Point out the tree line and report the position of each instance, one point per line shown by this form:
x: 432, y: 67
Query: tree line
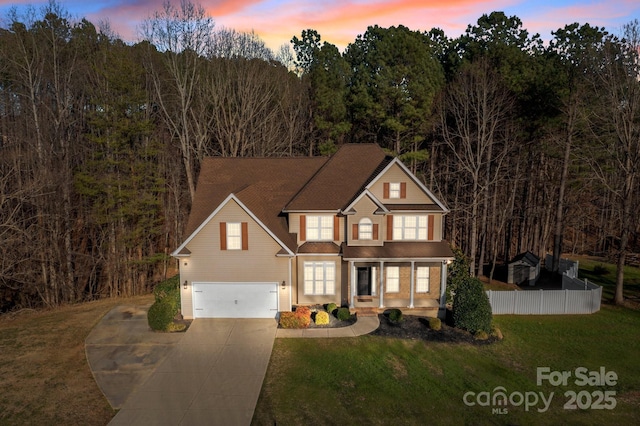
x: 532, y: 146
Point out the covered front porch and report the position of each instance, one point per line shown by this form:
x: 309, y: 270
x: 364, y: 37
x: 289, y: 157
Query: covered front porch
x: 405, y: 275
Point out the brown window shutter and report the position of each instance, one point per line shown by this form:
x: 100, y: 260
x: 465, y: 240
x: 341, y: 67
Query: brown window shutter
x: 375, y: 231
x: 303, y: 228
x: 354, y: 234
x: 223, y: 235
x: 385, y: 190
x: 403, y: 189
x: 245, y: 236
x: 430, y: 222
x: 336, y: 228
x: 390, y: 227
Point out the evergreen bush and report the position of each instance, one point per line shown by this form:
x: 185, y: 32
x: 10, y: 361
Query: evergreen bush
x: 343, y: 314
x: 160, y: 315
x: 168, y: 291
x: 331, y: 307
x: 471, y: 308
x: 395, y: 316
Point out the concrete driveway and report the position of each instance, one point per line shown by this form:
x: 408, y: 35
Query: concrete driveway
x: 210, y: 375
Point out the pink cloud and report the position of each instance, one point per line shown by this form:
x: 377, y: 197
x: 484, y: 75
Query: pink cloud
x: 340, y: 21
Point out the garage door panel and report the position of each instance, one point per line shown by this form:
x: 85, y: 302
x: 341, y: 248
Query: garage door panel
x: 235, y: 300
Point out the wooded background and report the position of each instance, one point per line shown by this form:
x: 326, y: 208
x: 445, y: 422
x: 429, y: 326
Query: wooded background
x: 533, y: 146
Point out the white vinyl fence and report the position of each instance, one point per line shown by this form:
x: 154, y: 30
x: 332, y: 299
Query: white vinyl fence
x: 576, y: 297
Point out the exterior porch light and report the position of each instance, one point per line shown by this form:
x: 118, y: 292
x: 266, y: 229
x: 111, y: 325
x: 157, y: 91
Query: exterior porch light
x: 283, y: 284
x: 185, y: 285
x: 186, y: 262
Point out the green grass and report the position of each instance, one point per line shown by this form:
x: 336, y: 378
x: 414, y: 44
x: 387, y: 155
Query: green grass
x: 604, y: 274
x: 375, y: 380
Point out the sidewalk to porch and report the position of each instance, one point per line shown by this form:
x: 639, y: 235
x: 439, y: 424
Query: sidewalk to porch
x: 364, y: 325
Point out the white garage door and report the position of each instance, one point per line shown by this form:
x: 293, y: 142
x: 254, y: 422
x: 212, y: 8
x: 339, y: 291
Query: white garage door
x: 235, y: 300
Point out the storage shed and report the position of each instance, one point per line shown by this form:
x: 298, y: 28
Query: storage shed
x: 524, y: 269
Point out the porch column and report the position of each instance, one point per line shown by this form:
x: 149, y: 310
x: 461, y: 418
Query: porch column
x: 381, y: 284
x: 443, y: 285
x: 291, y: 284
x: 352, y: 284
x: 412, y: 285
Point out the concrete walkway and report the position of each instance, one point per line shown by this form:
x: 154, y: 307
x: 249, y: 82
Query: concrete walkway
x: 364, y: 325
x: 210, y: 375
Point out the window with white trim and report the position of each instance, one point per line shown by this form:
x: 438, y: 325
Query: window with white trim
x: 319, y: 278
x: 319, y: 228
x: 394, y: 190
x: 409, y: 227
x: 393, y: 279
x: 234, y: 236
x: 365, y: 229
x: 422, y: 279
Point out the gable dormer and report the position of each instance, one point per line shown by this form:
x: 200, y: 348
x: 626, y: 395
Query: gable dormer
x: 396, y: 185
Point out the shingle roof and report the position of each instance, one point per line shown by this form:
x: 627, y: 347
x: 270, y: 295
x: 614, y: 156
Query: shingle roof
x: 343, y: 177
x: 264, y: 185
x: 399, y: 250
x: 526, y: 257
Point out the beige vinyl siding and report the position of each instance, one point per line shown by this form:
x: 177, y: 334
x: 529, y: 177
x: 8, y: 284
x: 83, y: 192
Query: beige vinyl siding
x: 396, y: 175
x: 365, y: 208
x: 208, y: 263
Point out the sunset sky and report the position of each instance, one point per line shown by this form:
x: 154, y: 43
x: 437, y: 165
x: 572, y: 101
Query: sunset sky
x: 340, y: 21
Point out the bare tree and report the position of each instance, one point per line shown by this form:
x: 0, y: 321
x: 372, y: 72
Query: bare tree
x: 475, y: 118
x: 615, y: 155
x: 183, y: 35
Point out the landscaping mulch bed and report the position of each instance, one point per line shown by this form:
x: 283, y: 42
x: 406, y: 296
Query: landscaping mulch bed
x: 417, y: 328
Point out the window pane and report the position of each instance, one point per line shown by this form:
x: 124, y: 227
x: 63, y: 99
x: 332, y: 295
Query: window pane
x: 234, y: 236
x: 365, y: 229
x: 394, y: 190
x: 319, y: 278
x: 320, y: 228
x: 422, y: 279
x: 393, y: 279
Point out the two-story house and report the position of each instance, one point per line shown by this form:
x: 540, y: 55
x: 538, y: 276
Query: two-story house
x: 356, y: 228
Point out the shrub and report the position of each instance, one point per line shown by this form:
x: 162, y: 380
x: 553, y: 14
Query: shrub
x: 395, y: 316
x: 168, y: 291
x: 343, y: 314
x: 303, y: 310
x: 160, y: 316
x: 301, y: 318
x: 322, y: 318
x: 495, y: 332
x: 331, y: 307
x: 471, y: 308
x: 435, y: 323
x: 481, y: 335
x: 457, y: 272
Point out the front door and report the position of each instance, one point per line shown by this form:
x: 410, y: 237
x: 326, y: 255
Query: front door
x: 364, y: 281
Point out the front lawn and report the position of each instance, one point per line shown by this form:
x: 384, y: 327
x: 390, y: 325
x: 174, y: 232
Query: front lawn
x: 377, y: 380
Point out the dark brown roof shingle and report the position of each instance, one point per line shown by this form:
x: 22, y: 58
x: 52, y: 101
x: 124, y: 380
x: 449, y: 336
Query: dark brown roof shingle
x: 341, y: 178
